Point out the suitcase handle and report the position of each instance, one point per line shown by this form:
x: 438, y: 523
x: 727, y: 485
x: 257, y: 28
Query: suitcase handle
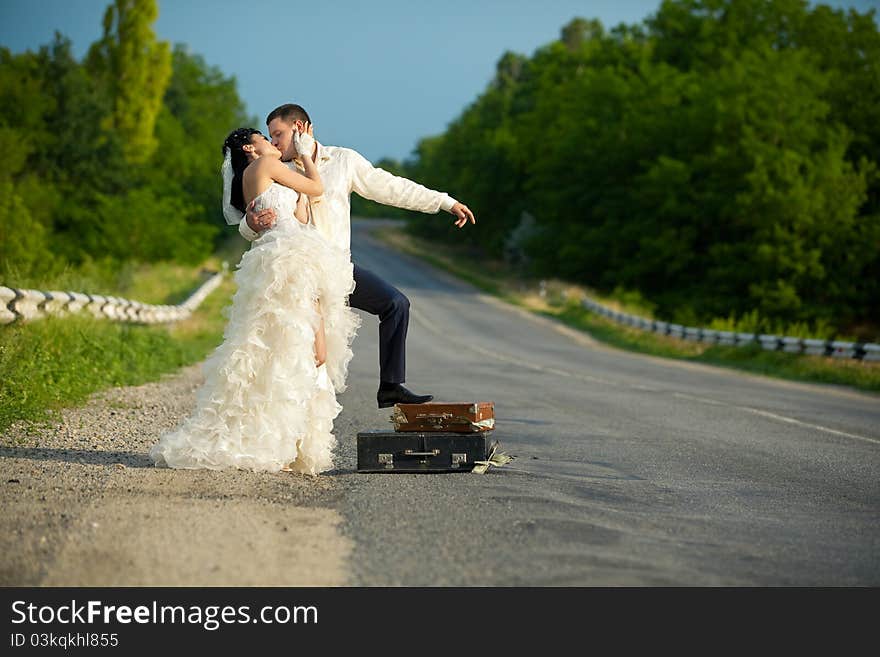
x: 433, y: 452
x: 454, y: 419
x: 432, y: 416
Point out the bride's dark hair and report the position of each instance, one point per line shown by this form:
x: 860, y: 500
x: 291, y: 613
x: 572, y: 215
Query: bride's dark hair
x: 236, y: 140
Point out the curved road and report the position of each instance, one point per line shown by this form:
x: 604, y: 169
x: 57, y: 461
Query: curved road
x: 631, y: 470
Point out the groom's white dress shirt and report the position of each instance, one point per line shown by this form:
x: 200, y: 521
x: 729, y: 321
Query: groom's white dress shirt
x: 344, y: 171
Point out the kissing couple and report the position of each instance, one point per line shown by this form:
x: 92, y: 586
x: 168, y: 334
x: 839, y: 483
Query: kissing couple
x: 269, y: 397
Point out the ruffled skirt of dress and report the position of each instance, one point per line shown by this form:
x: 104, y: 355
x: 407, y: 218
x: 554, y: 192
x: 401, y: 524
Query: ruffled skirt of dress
x: 264, y: 404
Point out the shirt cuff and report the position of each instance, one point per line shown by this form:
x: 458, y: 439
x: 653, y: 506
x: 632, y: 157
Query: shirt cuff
x: 447, y: 203
x: 246, y: 232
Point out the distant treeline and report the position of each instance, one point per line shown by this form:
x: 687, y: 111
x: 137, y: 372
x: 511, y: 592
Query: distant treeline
x: 114, y: 159
x: 720, y: 160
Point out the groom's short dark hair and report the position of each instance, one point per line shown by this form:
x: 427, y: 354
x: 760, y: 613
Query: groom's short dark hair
x: 288, y: 113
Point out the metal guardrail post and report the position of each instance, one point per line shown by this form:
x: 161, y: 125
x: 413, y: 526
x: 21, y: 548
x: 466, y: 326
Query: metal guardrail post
x: 789, y: 344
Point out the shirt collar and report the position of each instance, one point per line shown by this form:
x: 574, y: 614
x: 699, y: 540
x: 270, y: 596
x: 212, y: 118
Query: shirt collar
x: 322, y: 155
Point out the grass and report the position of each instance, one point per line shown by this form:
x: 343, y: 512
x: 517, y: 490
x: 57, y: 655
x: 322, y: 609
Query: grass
x: 58, y: 362
x: 560, y: 300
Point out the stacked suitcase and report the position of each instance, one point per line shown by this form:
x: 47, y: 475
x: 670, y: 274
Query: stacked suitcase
x: 432, y: 437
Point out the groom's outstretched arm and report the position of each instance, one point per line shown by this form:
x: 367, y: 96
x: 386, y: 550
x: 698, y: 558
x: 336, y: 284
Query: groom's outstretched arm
x: 386, y: 188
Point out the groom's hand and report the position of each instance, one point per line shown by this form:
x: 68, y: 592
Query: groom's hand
x: 260, y: 220
x: 463, y: 213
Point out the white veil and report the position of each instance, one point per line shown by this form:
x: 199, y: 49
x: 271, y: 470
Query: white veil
x: 233, y: 214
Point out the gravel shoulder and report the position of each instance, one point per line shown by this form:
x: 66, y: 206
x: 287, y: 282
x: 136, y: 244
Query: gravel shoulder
x: 85, y: 507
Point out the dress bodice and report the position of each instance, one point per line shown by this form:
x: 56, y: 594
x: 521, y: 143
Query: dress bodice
x: 281, y: 199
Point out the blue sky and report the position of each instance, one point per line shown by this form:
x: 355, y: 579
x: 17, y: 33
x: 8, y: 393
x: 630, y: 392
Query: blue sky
x: 375, y: 76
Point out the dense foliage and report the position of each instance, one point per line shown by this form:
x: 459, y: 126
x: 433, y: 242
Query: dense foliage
x: 720, y: 159
x: 114, y: 159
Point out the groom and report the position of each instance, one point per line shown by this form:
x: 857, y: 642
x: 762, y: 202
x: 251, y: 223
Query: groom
x: 342, y: 172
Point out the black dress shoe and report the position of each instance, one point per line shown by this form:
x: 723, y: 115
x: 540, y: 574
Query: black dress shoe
x: 400, y: 395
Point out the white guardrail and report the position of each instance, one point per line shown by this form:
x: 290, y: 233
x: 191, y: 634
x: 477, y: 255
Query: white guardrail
x: 26, y: 305
x: 834, y: 348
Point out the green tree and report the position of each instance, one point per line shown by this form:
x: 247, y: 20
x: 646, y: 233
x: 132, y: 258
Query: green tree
x: 24, y: 247
x: 720, y: 159
x: 80, y: 188
x: 23, y: 110
x: 477, y: 160
x: 201, y: 107
x: 134, y: 68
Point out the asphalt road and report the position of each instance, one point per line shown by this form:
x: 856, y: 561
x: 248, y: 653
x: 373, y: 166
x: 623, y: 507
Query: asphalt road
x: 631, y: 470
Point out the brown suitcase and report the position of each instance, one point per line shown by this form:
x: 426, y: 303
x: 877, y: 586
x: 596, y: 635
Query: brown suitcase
x: 456, y: 417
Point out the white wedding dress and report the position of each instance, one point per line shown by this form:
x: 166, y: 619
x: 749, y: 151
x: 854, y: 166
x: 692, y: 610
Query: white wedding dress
x: 264, y: 404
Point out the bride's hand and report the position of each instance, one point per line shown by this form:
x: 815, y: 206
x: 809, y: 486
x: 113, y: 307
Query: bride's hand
x: 304, y: 141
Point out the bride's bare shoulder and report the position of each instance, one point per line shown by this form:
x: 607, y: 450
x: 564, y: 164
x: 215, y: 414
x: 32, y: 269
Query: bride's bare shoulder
x: 260, y: 169
x: 260, y: 164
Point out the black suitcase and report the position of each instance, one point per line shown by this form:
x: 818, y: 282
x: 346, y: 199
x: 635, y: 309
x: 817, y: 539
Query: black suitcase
x: 391, y: 451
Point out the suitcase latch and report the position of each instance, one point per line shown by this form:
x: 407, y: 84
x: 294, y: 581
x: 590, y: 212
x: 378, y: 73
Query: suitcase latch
x: 387, y: 460
x: 458, y: 459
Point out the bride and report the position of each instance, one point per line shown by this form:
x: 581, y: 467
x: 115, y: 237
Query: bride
x: 269, y: 397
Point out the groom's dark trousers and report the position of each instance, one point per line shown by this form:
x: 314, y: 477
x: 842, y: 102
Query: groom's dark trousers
x: 377, y: 297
